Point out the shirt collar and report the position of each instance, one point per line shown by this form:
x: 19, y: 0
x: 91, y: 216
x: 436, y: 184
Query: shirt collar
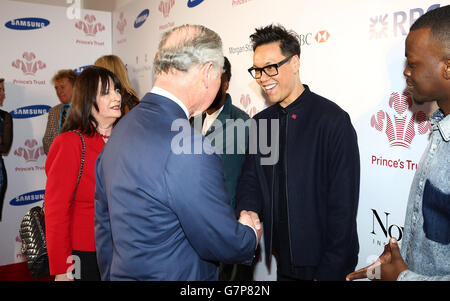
x: 162, y: 92
x: 442, y: 123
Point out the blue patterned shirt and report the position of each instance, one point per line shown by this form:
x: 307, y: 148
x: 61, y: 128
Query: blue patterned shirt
x: 426, y: 244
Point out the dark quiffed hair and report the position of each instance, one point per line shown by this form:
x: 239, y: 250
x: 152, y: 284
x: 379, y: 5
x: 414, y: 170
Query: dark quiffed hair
x: 289, y: 40
x: 438, y: 20
x: 84, y: 98
x: 227, y: 69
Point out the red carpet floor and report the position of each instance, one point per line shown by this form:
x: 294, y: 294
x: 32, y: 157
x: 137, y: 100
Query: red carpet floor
x: 19, y: 272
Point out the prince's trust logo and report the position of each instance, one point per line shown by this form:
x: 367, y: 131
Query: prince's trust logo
x: 89, y: 26
x: 399, y: 124
x: 31, y: 151
x: 29, y: 65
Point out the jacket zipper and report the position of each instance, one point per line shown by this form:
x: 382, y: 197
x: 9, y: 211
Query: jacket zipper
x: 286, y: 184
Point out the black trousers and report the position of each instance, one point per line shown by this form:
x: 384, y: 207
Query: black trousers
x: 88, y: 266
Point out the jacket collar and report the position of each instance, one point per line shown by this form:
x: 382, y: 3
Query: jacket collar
x: 442, y: 124
x: 305, y: 95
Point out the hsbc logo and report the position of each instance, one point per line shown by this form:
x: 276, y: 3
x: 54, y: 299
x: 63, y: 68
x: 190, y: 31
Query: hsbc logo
x: 397, y: 23
x: 310, y: 38
x: 322, y: 36
x: 399, y: 124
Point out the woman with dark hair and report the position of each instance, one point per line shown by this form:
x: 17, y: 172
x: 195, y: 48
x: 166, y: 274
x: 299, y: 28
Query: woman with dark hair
x: 5, y: 142
x: 69, y: 211
x: 114, y: 64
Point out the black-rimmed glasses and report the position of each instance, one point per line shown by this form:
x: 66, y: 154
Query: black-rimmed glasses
x: 270, y: 70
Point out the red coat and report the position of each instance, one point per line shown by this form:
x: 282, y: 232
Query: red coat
x: 70, y: 224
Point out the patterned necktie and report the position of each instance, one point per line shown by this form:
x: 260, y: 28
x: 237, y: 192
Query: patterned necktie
x: 63, y: 115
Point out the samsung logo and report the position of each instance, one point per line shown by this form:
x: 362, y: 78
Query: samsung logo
x: 141, y: 18
x: 194, y: 3
x: 28, y: 198
x: 27, y: 24
x: 80, y: 69
x: 30, y: 112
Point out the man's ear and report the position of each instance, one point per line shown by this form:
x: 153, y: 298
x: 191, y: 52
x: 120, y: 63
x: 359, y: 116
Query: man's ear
x: 296, y: 63
x: 207, y: 73
x: 447, y: 69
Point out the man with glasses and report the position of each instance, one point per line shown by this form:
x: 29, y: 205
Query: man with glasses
x: 308, y: 199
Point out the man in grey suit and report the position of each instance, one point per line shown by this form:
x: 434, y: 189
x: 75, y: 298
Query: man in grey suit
x: 63, y: 81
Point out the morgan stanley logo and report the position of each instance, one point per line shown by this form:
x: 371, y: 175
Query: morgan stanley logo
x: 141, y: 18
x: 89, y: 26
x: 28, y: 198
x: 165, y: 7
x: 193, y: 3
x: 235, y: 130
x: 27, y: 24
x: 401, y: 126
x: 31, y: 151
x: 28, y: 66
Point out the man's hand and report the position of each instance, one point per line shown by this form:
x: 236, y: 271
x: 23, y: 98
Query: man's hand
x: 387, y: 267
x: 250, y: 218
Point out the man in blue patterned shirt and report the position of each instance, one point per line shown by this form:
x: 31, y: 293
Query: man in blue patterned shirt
x: 425, y: 253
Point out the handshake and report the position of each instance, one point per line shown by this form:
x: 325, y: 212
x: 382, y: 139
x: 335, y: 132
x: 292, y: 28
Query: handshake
x: 251, y: 219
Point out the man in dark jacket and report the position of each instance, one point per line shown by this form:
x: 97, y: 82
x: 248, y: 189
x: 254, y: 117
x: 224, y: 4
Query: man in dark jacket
x: 308, y: 198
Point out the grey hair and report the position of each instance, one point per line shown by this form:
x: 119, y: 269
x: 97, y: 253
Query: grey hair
x: 196, y: 46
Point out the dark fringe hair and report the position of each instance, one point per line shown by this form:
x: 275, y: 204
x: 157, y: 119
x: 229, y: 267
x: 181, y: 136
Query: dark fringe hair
x: 84, y: 97
x: 288, y: 39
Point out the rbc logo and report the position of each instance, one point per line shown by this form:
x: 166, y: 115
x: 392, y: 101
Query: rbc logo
x: 193, y: 3
x: 400, y: 26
